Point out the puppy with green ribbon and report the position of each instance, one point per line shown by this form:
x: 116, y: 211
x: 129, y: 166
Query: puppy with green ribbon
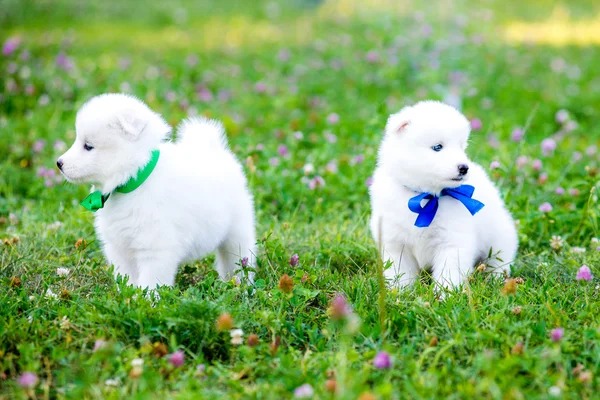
x: 159, y: 203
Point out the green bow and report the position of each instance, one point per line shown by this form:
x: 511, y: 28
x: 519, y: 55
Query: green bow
x: 95, y: 200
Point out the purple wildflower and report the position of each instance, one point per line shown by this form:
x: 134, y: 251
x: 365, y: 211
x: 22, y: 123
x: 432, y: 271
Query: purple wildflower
x: 171, y: 96
x: 63, y: 61
x: 316, y: 182
x: 382, y: 360
x: 548, y: 146
x: 304, y: 391
x: 332, y: 167
x: 545, y: 207
x: 27, y: 380
x: 522, y: 161
x: 559, y: 191
x: 557, y: 334
x: 282, y: 150
x: 244, y: 262
x: 358, y: 159
x: 591, y: 150
x: 369, y: 181
x: 274, y: 161
x: 177, y: 359
x: 574, y: 192
x: 536, y: 165
x: 570, y: 126
x: 517, y: 134
x: 204, y: 95
x: 476, y: 124
x: 10, y: 45
x: 494, y: 165
x: 294, y: 260
x: 584, y: 274
x: 333, y: 119
x: 100, y: 343
x: 339, y: 308
x: 372, y: 56
x: 38, y: 146
x: 562, y: 116
x: 260, y: 87
x: 493, y: 141
x: 330, y: 137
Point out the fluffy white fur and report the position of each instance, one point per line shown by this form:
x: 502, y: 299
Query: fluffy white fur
x: 195, y: 201
x: 455, y: 241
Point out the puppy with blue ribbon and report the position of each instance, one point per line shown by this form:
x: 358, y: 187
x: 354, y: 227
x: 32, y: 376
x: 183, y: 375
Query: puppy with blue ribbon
x: 433, y: 208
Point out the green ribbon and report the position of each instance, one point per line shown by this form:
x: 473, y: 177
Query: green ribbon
x: 96, y: 200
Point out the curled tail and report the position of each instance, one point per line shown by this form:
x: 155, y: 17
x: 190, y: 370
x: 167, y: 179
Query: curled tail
x: 200, y: 131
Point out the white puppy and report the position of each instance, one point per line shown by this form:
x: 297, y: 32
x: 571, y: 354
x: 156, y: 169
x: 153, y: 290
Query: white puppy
x: 194, y: 198
x: 423, y: 152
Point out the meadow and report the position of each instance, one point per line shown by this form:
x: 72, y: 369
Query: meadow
x: 304, y: 89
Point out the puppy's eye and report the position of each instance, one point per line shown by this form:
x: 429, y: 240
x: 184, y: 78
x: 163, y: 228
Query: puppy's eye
x: 88, y: 147
x: 437, y: 147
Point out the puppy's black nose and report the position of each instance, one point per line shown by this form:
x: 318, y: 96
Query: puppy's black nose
x: 463, y: 169
x: 59, y: 164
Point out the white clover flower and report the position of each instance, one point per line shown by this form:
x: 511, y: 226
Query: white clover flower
x: 556, y: 242
x: 62, y: 271
x: 237, y: 337
x: 137, y: 362
x: 65, y: 323
x: 309, y: 169
x: 50, y: 294
x: 554, y: 391
x: 112, y: 382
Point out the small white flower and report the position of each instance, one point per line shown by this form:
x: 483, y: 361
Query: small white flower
x: 31, y: 298
x: 595, y: 242
x: 237, y: 337
x: 554, y: 391
x: 50, y: 294
x: 55, y: 226
x: 577, y: 250
x: 65, y: 323
x: 309, y: 169
x: 137, y: 362
x: 62, y: 271
x: 556, y: 242
x: 112, y: 382
x: 30, y: 319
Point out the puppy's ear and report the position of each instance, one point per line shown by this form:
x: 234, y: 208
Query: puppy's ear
x: 130, y: 125
x: 396, y: 124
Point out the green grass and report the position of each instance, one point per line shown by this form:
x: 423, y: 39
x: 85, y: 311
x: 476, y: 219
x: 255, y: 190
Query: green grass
x: 463, y: 347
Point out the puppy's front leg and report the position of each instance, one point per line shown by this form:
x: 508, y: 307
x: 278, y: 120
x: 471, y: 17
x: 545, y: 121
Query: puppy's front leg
x: 156, y: 268
x: 452, y: 265
x: 405, y: 270
x: 123, y: 265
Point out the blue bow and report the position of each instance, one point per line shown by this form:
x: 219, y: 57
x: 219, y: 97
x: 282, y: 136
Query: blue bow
x: 463, y: 193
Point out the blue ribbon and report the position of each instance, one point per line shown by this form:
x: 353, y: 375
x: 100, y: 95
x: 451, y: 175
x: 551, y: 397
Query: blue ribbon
x: 463, y: 193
